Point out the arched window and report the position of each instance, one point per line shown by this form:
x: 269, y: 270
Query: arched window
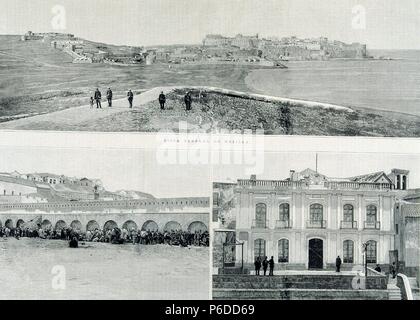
x: 283, y: 250
x: 398, y: 182
x: 260, y: 215
x: 348, y: 213
x: 371, y: 213
x: 259, y: 248
x: 348, y: 251
x: 284, y: 212
x: 316, y: 212
x: 404, y: 183
x: 371, y: 251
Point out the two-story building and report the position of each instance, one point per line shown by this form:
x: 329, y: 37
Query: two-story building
x: 308, y: 219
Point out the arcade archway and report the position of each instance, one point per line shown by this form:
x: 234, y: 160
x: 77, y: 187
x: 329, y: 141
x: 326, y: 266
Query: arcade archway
x: 92, y: 225
x: 76, y: 225
x: 130, y: 225
x: 109, y: 225
x: 150, y: 226
x: 172, y: 226
x: 197, y: 226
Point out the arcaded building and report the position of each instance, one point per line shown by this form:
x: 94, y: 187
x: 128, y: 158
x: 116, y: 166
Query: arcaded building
x: 308, y: 219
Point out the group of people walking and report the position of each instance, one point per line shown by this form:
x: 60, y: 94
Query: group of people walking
x: 97, y: 97
x: 265, y: 263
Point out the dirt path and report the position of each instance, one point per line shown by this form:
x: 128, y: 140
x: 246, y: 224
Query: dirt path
x: 79, y: 115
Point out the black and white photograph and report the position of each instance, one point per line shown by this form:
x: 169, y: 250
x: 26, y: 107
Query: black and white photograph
x: 94, y: 224
x: 320, y: 226
x: 337, y: 68
x: 183, y: 150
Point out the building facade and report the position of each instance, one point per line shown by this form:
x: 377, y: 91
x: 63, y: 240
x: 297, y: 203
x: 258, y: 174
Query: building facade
x: 308, y: 219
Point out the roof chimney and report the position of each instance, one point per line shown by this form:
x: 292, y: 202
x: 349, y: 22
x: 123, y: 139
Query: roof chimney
x: 292, y: 175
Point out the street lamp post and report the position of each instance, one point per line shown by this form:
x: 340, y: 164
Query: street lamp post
x: 364, y: 245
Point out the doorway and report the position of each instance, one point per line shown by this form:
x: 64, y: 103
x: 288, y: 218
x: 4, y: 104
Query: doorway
x: 316, y: 254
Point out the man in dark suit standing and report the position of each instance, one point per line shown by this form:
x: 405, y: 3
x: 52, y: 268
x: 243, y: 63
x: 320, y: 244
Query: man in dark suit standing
x: 109, y: 97
x: 338, y: 264
x: 162, y: 101
x: 271, y: 264
x: 98, y: 97
x: 130, y: 97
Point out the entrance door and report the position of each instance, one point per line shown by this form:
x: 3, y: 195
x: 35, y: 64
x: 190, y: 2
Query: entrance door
x: 315, y: 254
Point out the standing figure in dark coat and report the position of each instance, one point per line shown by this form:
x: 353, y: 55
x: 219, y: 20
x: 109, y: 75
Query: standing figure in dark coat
x: 257, y: 265
x: 265, y: 265
x: 162, y: 101
x: 188, y: 101
x: 393, y: 270
x: 109, y: 97
x: 98, y: 97
x: 130, y: 97
x: 271, y: 264
x: 338, y: 264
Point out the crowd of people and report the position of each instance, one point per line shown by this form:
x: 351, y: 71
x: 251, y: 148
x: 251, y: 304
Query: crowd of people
x: 114, y: 235
x: 97, y: 97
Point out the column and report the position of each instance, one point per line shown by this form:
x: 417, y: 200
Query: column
x: 360, y: 205
x: 339, y: 210
x: 381, y: 209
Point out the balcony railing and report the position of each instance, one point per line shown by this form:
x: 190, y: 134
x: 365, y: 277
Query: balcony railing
x: 348, y: 224
x: 283, y: 224
x: 376, y: 225
x: 331, y: 185
x: 258, y: 224
x: 316, y: 224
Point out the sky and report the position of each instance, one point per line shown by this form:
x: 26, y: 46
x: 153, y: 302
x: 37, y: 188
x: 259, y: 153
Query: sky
x: 277, y: 165
x: 118, y: 168
x: 385, y: 24
x: 142, y: 169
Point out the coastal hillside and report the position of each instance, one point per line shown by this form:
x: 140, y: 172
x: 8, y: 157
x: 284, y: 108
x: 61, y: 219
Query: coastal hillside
x: 213, y: 111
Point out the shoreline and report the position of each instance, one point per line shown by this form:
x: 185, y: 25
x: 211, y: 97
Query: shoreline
x: 251, y: 85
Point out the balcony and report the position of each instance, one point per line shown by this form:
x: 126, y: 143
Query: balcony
x: 316, y: 224
x: 373, y: 225
x: 258, y: 224
x: 283, y: 224
x: 348, y: 224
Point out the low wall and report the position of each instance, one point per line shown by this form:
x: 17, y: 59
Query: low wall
x: 404, y: 285
x: 265, y: 98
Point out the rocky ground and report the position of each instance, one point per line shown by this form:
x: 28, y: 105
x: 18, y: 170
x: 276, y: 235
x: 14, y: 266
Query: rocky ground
x: 214, y: 111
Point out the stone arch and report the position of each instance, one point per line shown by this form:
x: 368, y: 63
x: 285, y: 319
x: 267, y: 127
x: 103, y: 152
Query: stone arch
x: 197, y: 226
x: 9, y: 223
x: 76, y: 225
x: 172, y: 225
x: 46, y: 225
x: 92, y: 225
x: 150, y: 225
x: 60, y: 225
x: 110, y: 224
x: 130, y: 225
x: 19, y: 223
